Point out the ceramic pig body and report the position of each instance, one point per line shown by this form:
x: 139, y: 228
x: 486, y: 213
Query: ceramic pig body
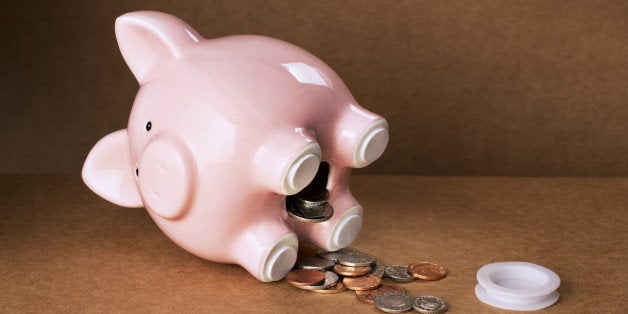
x: 221, y: 131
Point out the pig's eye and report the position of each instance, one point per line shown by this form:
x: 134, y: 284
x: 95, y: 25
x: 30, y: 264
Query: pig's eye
x: 137, y: 172
x: 148, y: 126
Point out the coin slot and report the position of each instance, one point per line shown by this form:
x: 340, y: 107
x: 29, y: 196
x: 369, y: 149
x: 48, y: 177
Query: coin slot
x: 310, y: 204
x: 317, y: 188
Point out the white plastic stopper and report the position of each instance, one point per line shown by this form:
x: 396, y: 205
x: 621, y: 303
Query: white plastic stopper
x: 518, y: 286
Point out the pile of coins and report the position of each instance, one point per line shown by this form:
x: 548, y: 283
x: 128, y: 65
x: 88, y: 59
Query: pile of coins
x: 349, y: 269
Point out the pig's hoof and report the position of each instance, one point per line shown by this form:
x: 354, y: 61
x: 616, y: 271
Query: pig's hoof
x: 371, y: 145
x: 302, y: 169
x: 346, y: 229
x: 280, y: 259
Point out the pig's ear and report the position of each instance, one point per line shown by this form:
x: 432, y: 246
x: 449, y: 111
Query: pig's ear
x: 146, y: 37
x: 108, y: 172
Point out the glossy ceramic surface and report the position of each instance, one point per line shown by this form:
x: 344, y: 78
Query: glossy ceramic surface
x: 221, y: 131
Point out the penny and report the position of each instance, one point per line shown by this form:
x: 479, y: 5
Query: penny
x: 315, y: 263
x: 393, y: 302
x: 334, y: 255
x: 368, y: 296
x: 305, y: 277
x: 399, y: 273
x: 427, y: 271
x: 310, y: 214
x: 330, y: 279
x: 306, y: 250
x: 352, y: 271
x: 429, y: 304
x: 362, y: 283
x: 356, y: 259
x: 379, y: 271
x: 338, y: 287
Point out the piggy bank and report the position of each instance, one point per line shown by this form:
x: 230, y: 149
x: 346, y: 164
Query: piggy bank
x: 222, y: 134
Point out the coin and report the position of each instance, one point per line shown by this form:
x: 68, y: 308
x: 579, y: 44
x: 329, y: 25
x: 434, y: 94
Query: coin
x: 352, y: 271
x: 338, y: 287
x: 379, y: 271
x: 334, y: 255
x: 393, y: 302
x: 315, y: 263
x: 310, y: 214
x: 362, y: 283
x: 313, y: 199
x: 399, y: 273
x: 305, y: 277
x: 427, y: 271
x: 429, y: 304
x: 368, y: 296
x: 330, y: 279
x: 356, y: 259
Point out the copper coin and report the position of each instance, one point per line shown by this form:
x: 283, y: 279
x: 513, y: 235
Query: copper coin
x: 352, y: 271
x: 330, y: 279
x: 336, y: 288
x: 305, y: 277
x: 427, y: 271
x: 368, y: 296
x: 369, y: 282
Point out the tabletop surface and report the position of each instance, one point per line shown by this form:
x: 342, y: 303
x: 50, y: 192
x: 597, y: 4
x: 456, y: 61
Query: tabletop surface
x: 62, y: 248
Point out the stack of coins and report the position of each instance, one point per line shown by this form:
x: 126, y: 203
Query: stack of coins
x: 310, y: 205
x: 310, y: 208
x: 349, y: 269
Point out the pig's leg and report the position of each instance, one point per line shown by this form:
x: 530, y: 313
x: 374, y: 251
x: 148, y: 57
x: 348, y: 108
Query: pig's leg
x: 266, y: 249
x: 286, y: 162
x: 355, y: 139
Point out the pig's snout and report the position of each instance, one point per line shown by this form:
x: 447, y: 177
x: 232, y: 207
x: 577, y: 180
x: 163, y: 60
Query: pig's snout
x: 165, y: 177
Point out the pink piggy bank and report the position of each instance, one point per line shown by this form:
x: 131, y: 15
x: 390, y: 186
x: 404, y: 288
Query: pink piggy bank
x: 222, y: 132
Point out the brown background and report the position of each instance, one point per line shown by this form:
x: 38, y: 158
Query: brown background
x: 519, y: 88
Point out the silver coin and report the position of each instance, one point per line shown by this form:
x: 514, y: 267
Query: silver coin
x: 334, y: 255
x: 310, y: 214
x: 399, y: 273
x: 429, y: 304
x: 356, y: 259
x: 330, y: 279
x: 393, y: 302
x: 313, y: 199
x: 312, y: 204
x: 315, y: 263
x: 379, y: 271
